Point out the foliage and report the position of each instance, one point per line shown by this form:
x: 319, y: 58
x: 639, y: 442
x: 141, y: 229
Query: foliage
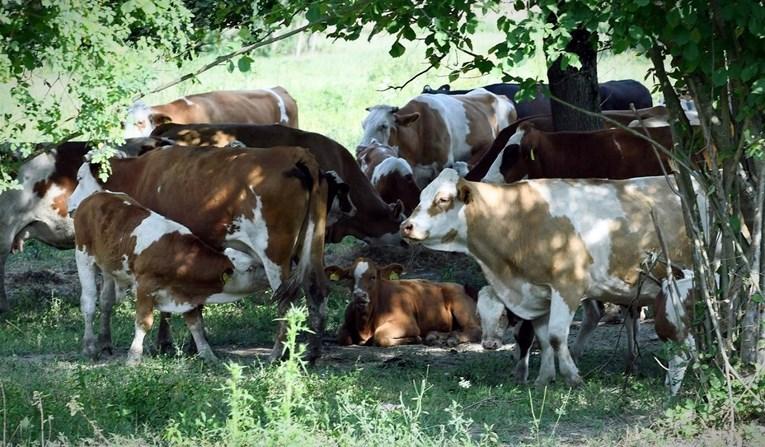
x: 56, y: 55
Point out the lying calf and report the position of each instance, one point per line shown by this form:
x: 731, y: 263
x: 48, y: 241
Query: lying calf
x: 386, y: 312
x: 166, y: 265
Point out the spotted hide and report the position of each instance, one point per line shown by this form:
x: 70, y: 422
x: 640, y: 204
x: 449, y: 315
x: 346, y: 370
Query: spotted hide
x: 260, y: 106
x: 545, y: 245
x: 390, y: 174
x: 365, y: 216
x: 387, y: 312
x: 38, y: 209
x: 166, y: 266
x: 267, y: 203
x: 437, y: 131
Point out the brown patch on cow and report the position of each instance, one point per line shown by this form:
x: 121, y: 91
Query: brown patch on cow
x: 450, y: 236
x: 69, y: 157
x: 229, y: 106
x: 512, y: 231
x: 373, y: 216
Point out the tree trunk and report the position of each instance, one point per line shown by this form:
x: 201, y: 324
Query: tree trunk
x: 576, y: 86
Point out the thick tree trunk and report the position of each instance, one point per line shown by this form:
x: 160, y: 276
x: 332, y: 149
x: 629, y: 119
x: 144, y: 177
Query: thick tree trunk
x: 576, y: 86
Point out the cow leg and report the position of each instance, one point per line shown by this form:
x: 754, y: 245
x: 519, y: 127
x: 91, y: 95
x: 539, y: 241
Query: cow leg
x: 86, y: 270
x: 196, y: 327
x: 108, y: 298
x: 592, y: 313
x: 465, y: 316
x: 561, y: 316
x: 547, y: 361
x: 165, y: 334
x: 524, y: 337
x: 317, y: 316
x: 438, y: 338
x: 678, y: 364
x: 632, y: 324
x: 144, y: 317
x: 392, y: 334
x: 3, y: 297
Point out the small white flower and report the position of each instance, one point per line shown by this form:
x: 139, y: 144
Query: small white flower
x: 464, y: 383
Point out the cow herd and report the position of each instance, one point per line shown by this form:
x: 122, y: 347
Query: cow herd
x: 218, y: 195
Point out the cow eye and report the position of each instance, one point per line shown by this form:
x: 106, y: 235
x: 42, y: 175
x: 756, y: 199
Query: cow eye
x: 383, y: 126
x: 444, y: 200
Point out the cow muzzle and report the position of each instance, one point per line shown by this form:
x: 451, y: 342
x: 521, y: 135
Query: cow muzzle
x: 491, y: 344
x: 409, y: 232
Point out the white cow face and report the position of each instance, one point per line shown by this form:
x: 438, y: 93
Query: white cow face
x: 87, y: 185
x: 439, y: 221
x: 138, y: 122
x: 243, y: 280
x: 493, y: 315
x: 378, y: 124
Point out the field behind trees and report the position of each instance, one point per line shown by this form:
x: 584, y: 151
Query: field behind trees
x: 354, y: 396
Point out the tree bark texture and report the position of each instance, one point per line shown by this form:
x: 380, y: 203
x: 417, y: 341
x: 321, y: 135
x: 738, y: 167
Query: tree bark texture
x: 576, y: 86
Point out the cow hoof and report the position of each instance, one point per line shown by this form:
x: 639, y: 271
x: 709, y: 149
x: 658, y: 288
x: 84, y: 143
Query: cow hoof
x: 452, y: 342
x: 166, y: 348
x: 432, y: 340
x: 209, y: 357
x: 521, y: 375
x: 574, y: 382
x: 106, y: 349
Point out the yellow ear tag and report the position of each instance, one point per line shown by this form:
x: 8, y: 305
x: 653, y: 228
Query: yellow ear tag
x: 393, y: 276
x: 226, y: 278
x: 334, y: 277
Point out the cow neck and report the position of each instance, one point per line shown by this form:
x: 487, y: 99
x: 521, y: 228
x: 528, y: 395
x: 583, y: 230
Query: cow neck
x: 125, y: 175
x: 495, y: 247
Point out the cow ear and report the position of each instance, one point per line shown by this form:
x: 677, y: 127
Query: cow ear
x: 335, y: 273
x: 158, y: 119
x: 396, y: 208
x: 464, y: 192
x: 406, y: 120
x: 392, y: 271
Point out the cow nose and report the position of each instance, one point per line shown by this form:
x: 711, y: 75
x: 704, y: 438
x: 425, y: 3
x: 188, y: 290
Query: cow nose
x: 490, y: 345
x: 407, y: 228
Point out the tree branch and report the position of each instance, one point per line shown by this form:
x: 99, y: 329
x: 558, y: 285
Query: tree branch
x: 224, y: 58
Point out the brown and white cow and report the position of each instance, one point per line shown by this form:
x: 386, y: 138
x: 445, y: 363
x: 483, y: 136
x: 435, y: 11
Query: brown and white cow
x: 390, y: 174
x: 367, y: 217
x: 260, y: 106
x: 437, y: 131
x: 388, y: 312
x: 607, y: 154
x: 545, y: 245
x: 38, y: 209
x: 165, y: 265
x: 268, y: 203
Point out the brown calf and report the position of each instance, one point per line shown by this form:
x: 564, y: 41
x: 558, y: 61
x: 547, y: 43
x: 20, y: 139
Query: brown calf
x: 386, y: 312
x: 166, y: 266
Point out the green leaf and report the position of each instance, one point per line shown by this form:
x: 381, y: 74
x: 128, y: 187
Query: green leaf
x: 748, y: 72
x: 313, y: 14
x: 396, y: 49
x: 408, y: 33
x: 691, y: 54
x: 244, y: 63
x: 757, y: 298
x: 453, y: 76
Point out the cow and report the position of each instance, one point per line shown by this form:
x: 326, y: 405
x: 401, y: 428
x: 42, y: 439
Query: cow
x: 385, y: 311
x: 366, y: 217
x: 268, y: 203
x: 614, y: 95
x: 435, y: 131
x: 607, y: 154
x: 38, y: 209
x: 390, y: 174
x: 544, y: 123
x: 260, y: 106
x: 165, y: 265
x: 544, y: 245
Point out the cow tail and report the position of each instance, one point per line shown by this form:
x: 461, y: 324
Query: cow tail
x: 306, y: 170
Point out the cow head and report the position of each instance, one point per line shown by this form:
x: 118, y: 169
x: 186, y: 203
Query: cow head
x: 494, y: 318
x: 141, y: 120
x: 87, y: 185
x: 242, y: 279
x: 383, y: 122
x: 439, y: 220
x: 372, y: 154
x: 509, y: 165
